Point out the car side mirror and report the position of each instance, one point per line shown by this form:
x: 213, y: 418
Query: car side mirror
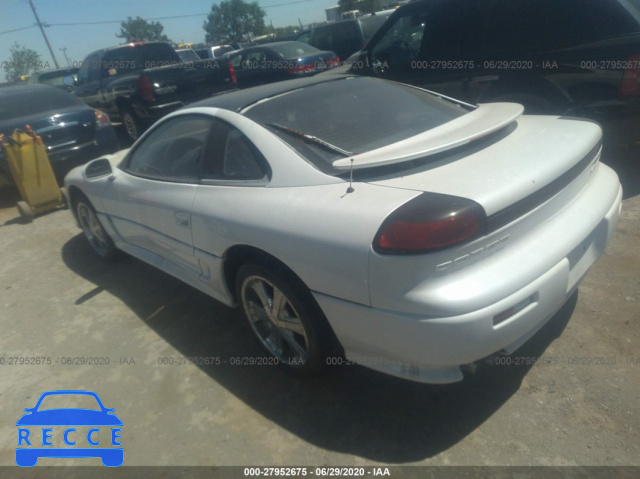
x: 98, y: 168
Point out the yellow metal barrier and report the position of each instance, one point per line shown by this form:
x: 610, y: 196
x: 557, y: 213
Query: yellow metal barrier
x: 32, y: 173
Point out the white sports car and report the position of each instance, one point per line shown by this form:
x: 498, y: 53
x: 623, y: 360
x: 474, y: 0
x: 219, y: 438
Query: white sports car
x: 357, y: 218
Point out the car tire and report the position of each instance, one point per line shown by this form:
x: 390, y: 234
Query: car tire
x: 295, y: 333
x: 26, y: 213
x: 131, y: 122
x: 94, y: 232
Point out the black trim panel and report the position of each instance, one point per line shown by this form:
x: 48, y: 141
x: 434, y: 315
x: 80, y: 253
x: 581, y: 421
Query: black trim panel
x: 531, y: 202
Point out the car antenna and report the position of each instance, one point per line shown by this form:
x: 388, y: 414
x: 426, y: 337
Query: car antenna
x: 350, y: 189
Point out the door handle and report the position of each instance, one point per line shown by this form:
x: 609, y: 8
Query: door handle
x: 182, y: 219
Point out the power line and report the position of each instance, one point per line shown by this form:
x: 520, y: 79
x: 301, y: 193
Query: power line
x: 18, y: 29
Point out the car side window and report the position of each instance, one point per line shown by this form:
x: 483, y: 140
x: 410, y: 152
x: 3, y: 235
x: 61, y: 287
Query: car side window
x: 254, y: 60
x: 173, y: 150
x: 89, y: 70
x: 234, y: 156
x: 304, y: 37
x: 401, y: 42
x: 236, y: 61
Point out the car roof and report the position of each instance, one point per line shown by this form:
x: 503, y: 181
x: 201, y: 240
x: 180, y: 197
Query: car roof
x: 128, y: 45
x: 237, y: 100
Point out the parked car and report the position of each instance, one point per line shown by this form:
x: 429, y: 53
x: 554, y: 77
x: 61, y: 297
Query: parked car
x: 214, y: 51
x: 573, y: 57
x: 61, y: 77
x: 412, y: 232
x: 279, y: 61
x: 187, y: 55
x: 138, y: 83
x: 344, y: 37
x: 72, y: 132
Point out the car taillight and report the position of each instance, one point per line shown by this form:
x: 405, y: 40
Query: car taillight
x: 301, y: 69
x: 232, y: 72
x: 333, y: 62
x: 102, y: 120
x: 145, y: 88
x: 430, y: 222
x: 631, y: 78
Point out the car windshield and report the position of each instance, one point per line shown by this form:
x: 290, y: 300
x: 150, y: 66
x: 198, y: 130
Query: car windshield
x: 69, y: 401
x: 354, y: 115
x: 294, y: 49
x: 23, y: 101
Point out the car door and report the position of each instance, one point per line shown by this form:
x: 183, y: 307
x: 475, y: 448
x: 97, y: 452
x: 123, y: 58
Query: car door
x: 156, y: 186
x: 234, y: 173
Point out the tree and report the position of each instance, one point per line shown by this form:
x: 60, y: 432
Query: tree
x: 24, y: 61
x: 139, y: 30
x: 234, y: 21
x: 365, y: 6
x: 347, y: 5
x: 370, y: 6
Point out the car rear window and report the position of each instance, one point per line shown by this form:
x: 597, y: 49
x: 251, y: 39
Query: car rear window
x: 294, y: 49
x: 23, y: 101
x: 354, y: 114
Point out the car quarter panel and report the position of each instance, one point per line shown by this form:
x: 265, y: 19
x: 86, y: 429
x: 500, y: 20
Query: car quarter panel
x: 321, y: 232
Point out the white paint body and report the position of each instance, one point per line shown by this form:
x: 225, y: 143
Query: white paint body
x: 418, y: 317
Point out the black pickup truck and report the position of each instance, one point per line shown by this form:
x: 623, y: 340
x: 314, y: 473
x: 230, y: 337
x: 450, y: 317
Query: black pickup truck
x: 140, y: 82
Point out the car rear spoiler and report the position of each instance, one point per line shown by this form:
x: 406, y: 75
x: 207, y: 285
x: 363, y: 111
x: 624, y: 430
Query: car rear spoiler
x: 482, y: 121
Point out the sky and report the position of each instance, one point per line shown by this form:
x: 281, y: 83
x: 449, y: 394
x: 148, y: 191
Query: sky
x: 18, y: 24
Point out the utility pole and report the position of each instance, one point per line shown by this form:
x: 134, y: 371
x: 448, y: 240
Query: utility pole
x: 64, y: 51
x: 43, y: 34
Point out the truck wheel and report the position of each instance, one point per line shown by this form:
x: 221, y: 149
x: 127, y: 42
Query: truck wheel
x: 131, y: 122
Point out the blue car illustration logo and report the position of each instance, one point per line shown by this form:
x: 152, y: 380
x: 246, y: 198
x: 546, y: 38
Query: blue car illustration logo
x: 70, y: 428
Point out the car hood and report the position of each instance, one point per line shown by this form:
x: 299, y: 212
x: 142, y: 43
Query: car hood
x: 69, y: 417
x: 507, y: 167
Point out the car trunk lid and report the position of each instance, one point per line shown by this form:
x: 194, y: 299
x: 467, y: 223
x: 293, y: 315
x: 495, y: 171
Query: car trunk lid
x: 525, y: 164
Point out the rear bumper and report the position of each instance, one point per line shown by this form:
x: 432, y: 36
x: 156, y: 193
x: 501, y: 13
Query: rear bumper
x: 431, y: 349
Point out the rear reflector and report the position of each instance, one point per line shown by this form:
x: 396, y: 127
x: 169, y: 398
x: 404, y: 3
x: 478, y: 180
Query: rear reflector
x: 507, y: 313
x: 232, y: 72
x: 102, y: 120
x: 430, y: 222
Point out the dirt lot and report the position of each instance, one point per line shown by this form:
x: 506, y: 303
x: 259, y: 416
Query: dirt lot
x: 580, y: 406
